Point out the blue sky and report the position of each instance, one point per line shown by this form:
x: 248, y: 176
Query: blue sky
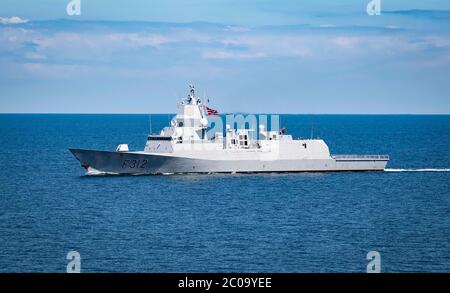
x: 248, y: 56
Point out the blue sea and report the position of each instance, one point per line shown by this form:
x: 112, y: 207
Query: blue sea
x: 302, y: 222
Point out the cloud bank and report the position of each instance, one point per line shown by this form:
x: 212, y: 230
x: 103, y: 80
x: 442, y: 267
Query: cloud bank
x: 12, y: 20
x: 314, y: 66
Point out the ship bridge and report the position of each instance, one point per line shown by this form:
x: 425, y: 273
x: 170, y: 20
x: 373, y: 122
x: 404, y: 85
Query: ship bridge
x: 188, y: 126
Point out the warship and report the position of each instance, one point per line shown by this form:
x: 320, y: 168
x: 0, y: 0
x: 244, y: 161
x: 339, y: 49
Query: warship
x: 186, y: 147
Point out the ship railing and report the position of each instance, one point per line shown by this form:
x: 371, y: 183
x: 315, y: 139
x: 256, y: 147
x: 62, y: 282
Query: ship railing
x: 361, y: 157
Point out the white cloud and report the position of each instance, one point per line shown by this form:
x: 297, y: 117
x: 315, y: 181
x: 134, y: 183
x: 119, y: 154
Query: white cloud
x: 392, y: 27
x: 439, y: 41
x: 12, y: 20
x: 327, y: 25
x: 233, y: 28
x: 91, y: 47
x: 37, y: 44
x: 35, y: 56
x: 137, y: 40
x: 102, y: 41
x: 347, y: 42
x: 227, y: 54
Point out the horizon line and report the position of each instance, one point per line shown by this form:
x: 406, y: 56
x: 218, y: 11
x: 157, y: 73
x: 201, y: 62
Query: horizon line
x: 227, y: 113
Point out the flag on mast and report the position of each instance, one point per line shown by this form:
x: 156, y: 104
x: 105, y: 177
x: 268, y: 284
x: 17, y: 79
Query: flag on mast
x: 211, y: 112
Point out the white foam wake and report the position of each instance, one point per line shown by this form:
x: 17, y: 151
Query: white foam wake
x: 418, y: 170
x: 94, y: 172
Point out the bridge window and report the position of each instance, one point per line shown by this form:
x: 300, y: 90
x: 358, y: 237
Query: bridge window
x: 159, y: 138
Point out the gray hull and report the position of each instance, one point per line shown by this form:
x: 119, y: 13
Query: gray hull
x: 107, y: 162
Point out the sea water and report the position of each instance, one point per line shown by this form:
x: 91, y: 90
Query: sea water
x: 303, y: 222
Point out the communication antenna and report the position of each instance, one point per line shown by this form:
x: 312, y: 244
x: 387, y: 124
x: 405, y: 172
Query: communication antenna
x: 206, y: 97
x: 192, y: 87
x: 150, y: 122
x: 279, y: 125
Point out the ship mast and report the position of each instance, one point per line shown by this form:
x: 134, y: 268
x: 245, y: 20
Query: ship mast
x: 191, y: 97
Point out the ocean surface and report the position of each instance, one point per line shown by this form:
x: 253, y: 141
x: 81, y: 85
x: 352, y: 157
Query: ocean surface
x: 303, y: 222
